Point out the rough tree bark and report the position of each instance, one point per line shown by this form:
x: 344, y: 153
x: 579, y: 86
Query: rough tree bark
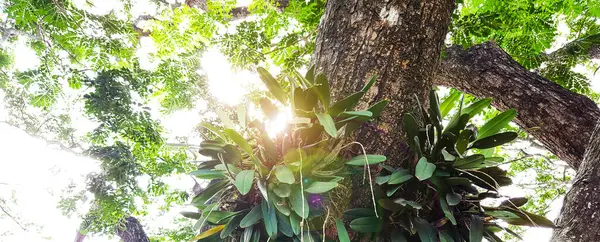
x: 133, y: 232
x: 400, y: 42
x: 561, y: 120
x: 580, y: 215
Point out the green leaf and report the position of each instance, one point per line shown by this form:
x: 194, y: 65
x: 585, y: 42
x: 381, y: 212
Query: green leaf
x: 358, y: 213
x: 392, y: 189
x: 231, y: 226
x: 239, y: 140
x: 448, y: 156
x: 247, y: 235
x: 262, y: 187
x: 382, y: 179
x: 299, y: 202
x: 269, y: 109
x: 397, y: 236
x: 469, y: 161
x: 445, y: 237
x: 366, y: 225
x: 219, y: 217
x: 389, y: 205
x: 213, y: 129
x: 448, y: 103
x: 295, y: 221
x: 281, y: 206
x: 323, y: 92
x: 209, y: 192
x: 400, y: 176
x: 477, y: 107
x: 453, y: 181
x: 363, y: 113
x: 310, y: 74
x: 342, y: 232
x: 192, y: 215
x: 208, y: 174
x: 453, y: 198
x: 427, y: 233
x: 269, y: 218
x: 496, y: 124
x: 272, y: 85
x: 284, y: 226
x: 424, y: 169
x: 408, y: 203
x: 284, y: 174
x: 447, y: 210
x: 515, y: 202
x: 251, y: 217
x: 463, y: 141
x: 327, y: 122
x: 411, y: 126
x: 320, y: 187
x: 371, y: 159
x: 369, y: 84
x: 434, y: 105
x: 282, y: 190
x: 347, y: 103
x: 494, y: 140
x: 244, y: 180
x: 476, y: 229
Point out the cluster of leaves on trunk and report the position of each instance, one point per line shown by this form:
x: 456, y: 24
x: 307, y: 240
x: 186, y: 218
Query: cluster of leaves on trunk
x: 438, y: 195
x: 282, y: 187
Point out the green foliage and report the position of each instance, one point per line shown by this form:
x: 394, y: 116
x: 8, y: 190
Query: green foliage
x: 452, y: 182
x: 287, y: 180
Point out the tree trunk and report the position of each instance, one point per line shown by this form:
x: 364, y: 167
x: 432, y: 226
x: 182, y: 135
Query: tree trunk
x: 580, y: 215
x: 400, y: 42
x: 561, y: 120
x: 134, y: 232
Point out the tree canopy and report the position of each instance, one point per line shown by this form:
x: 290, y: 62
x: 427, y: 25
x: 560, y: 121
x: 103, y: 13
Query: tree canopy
x: 99, y: 79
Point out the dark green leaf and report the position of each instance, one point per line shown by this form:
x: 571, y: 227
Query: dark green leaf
x: 219, y: 217
x: 252, y: 217
x: 244, y: 180
x: 463, y: 141
x: 358, y: 213
x: 366, y: 224
x: 411, y: 127
x: 397, y: 236
x: 209, y: 192
x: 348, y: 103
x: 496, y: 124
x: 445, y: 237
x: 407, y: 203
x: 272, y: 85
x: 269, y: 218
x: 262, y: 186
x: 192, y: 215
x: 392, y: 189
x: 247, y: 234
x: 476, y: 229
x: 516, y: 202
x: 342, y: 232
x: 447, y: 210
x: 269, y: 109
x: 214, y: 130
x: 424, y: 169
x: 310, y: 74
x: 322, y: 89
x: 453, y: 198
x: 231, y: 226
x: 371, y: 159
x: 494, y: 140
x: 469, y: 161
x: 284, y: 226
x: 427, y: 233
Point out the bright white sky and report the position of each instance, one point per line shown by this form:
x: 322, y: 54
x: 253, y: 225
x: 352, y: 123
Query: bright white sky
x: 35, y: 174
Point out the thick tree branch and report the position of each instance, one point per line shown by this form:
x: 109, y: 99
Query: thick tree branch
x: 561, y: 120
x: 579, y: 218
